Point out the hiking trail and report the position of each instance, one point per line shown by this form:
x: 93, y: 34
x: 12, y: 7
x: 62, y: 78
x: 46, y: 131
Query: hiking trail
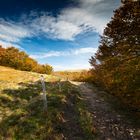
x: 109, y: 123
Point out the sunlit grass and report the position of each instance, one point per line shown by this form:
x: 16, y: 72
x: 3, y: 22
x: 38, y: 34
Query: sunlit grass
x: 22, y: 119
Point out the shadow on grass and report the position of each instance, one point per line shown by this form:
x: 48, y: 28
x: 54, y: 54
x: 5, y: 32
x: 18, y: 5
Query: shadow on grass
x: 27, y: 120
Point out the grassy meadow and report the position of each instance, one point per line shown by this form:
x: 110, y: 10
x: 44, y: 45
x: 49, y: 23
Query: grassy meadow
x: 21, y: 109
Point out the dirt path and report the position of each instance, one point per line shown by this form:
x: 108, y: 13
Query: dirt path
x: 108, y: 122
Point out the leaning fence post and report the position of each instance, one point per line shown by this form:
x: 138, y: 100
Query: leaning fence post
x: 59, y: 84
x: 44, y: 97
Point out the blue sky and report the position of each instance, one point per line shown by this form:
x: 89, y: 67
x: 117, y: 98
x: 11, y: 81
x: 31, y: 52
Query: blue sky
x: 62, y: 33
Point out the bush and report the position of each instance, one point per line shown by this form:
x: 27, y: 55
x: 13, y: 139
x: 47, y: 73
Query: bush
x: 14, y: 58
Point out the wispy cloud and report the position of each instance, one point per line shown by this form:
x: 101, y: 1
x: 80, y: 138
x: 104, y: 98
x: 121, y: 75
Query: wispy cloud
x: 74, y: 21
x: 89, y: 16
x: 55, y: 28
x: 70, y: 52
x: 13, y: 32
x: 8, y: 44
x: 88, y: 50
x: 75, y: 66
x: 46, y: 55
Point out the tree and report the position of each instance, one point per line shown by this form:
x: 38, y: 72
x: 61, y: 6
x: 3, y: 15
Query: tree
x: 48, y: 69
x: 14, y: 58
x: 117, y: 61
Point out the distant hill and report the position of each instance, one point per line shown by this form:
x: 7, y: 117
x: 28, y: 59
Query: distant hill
x: 76, y: 70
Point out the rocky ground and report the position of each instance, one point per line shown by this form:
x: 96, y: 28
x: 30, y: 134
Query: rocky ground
x: 109, y: 122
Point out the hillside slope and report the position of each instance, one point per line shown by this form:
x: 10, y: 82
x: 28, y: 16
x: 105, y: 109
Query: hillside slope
x: 21, y: 109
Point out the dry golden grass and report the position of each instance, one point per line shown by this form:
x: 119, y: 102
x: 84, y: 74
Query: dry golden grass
x: 9, y: 75
x: 22, y: 119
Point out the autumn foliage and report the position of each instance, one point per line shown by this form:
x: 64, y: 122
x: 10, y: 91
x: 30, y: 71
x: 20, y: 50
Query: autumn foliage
x: 12, y: 57
x: 116, y: 65
x: 81, y: 76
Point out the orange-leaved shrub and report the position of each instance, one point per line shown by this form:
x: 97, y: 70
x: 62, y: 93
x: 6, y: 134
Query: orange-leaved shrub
x: 12, y: 57
x: 116, y: 65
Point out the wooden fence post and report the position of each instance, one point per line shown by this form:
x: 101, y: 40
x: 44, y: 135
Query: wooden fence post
x: 59, y: 84
x: 44, y: 97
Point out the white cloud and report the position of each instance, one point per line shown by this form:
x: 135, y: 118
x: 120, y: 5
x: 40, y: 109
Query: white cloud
x: 73, y: 66
x: 13, y: 32
x: 91, y: 15
x: 88, y: 50
x: 65, y: 30
x: 55, y: 28
x: 88, y: 16
x: 46, y: 55
x: 84, y: 50
x: 8, y: 44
